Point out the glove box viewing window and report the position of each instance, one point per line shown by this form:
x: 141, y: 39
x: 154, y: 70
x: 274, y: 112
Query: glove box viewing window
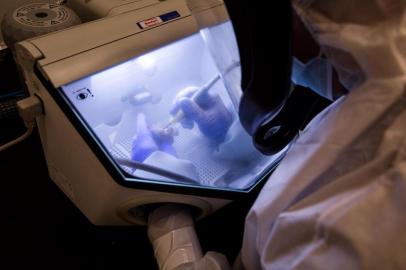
x: 170, y: 115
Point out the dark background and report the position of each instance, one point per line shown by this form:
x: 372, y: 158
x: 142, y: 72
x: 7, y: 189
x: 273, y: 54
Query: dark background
x: 41, y: 228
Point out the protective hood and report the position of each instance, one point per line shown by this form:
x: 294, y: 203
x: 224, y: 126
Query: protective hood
x: 337, y: 199
x: 362, y: 39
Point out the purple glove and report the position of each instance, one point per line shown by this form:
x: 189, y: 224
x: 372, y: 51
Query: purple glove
x: 149, y: 140
x: 207, y: 110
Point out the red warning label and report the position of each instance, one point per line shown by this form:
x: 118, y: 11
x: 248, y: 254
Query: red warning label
x: 150, y: 22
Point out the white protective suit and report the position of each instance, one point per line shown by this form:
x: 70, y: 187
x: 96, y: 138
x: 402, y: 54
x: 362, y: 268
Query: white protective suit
x: 338, y: 199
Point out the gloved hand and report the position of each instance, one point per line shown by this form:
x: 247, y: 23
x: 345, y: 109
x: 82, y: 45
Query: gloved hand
x: 148, y: 140
x: 207, y: 110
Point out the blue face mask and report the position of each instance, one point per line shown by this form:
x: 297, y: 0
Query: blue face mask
x: 317, y: 74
